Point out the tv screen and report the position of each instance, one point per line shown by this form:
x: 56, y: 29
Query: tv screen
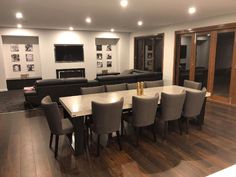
x: 69, y: 53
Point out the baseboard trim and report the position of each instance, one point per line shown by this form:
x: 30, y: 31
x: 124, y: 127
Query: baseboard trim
x: 3, y: 90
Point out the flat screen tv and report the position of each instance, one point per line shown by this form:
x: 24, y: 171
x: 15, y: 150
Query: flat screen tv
x: 69, y: 53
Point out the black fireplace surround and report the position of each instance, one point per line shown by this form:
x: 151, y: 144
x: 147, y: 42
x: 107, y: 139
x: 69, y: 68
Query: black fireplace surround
x: 69, y: 73
x: 57, y: 88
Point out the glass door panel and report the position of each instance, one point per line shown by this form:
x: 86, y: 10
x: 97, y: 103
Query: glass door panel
x: 202, y: 58
x: 184, y: 58
x: 223, y: 64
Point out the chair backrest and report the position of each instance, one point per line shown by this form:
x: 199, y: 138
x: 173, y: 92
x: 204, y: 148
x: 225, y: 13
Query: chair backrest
x: 131, y: 86
x: 53, y: 115
x: 107, y: 116
x: 192, y: 84
x: 149, y: 84
x: 144, y: 110
x: 172, y: 106
x: 193, y: 103
x: 91, y: 90
x: 116, y: 87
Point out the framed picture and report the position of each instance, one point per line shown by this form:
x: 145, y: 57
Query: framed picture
x: 29, y: 57
x: 30, y: 67
x: 109, y: 56
x: 150, y: 47
x: 109, y: 64
x: 15, y: 57
x: 99, y: 47
x: 149, y: 55
x: 28, y: 47
x: 16, y: 68
x: 109, y: 48
x: 99, y: 64
x: 14, y: 48
x: 99, y: 56
x: 149, y: 62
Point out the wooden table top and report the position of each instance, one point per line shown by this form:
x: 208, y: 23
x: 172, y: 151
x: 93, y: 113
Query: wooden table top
x: 80, y: 105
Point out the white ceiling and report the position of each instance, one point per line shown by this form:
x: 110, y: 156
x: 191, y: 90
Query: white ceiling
x: 107, y: 14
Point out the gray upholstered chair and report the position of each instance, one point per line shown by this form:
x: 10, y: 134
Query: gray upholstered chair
x: 193, y: 106
x: 171, y: 110
x: 91, y: 90
x: 149, y: 84
x: 131, y: 86
x: 143, y: 114
x: 192, y: 84
x: 116, y: 87
x: 106, y: 119
x: 57, y: 124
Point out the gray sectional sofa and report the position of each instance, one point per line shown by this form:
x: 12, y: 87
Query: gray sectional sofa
x: 71, y: 86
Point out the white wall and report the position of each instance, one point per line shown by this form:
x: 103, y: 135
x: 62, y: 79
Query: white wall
x: 2, y: 70
x: 47, y: 39
x: 23, y: 63
x: 104, y: 59
x: 170, y: 38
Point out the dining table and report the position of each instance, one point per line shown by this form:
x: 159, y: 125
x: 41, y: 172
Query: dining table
x: 79, y: 106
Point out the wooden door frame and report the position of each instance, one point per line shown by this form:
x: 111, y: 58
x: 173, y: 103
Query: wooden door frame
x: 233, y: 74
x: 147, y: 37
x: 192, y: 58
x: 177, y: 60
x: 220, y: 27
x: 211, y: 63
x: 211, y: 78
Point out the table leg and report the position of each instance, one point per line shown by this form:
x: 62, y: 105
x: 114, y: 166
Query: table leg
x: 78, y: 124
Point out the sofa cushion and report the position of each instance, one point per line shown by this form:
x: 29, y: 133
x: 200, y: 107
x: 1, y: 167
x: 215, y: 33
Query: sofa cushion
x: 75, y: 80
x: 46, y: 82
x: 115, y: 87
x: 128, y: 71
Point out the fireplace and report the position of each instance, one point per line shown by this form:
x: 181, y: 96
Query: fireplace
x: 67, y: 73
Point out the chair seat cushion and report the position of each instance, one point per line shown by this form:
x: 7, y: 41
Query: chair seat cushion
x: 67, y: 126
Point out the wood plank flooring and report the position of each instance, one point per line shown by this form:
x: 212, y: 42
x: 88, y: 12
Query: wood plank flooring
x: 24, y: 150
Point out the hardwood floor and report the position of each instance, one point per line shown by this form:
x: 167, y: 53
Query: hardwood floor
x: 24, y: 150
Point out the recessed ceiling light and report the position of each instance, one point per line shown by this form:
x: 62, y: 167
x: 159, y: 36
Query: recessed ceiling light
x: 191, y: 10
x: 124, y: 3
x: 88, y: 20
x: 112, y: 30
x: 71, y: 28
x: 19, y: 15
x: 140, y: 23
x: 190, y: 29
x: 19, y: 26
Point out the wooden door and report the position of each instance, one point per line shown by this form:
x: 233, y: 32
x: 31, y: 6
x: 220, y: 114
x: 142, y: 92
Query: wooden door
x: 222, y: 68
x: 139, y: 53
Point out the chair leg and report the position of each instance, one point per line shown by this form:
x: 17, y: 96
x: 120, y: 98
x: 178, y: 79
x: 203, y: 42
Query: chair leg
x: 137, y: 131
x: 122, y: 127
x: 199, y: 123
x: 187, y: 125
x: 56, y: 145
x: 109, y: 139
x: 165, y: 130
x: 154, y: 132
x: 180, y: 126
x: 118, y: 139
x: 50, y: 142
x: 98, y: 145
